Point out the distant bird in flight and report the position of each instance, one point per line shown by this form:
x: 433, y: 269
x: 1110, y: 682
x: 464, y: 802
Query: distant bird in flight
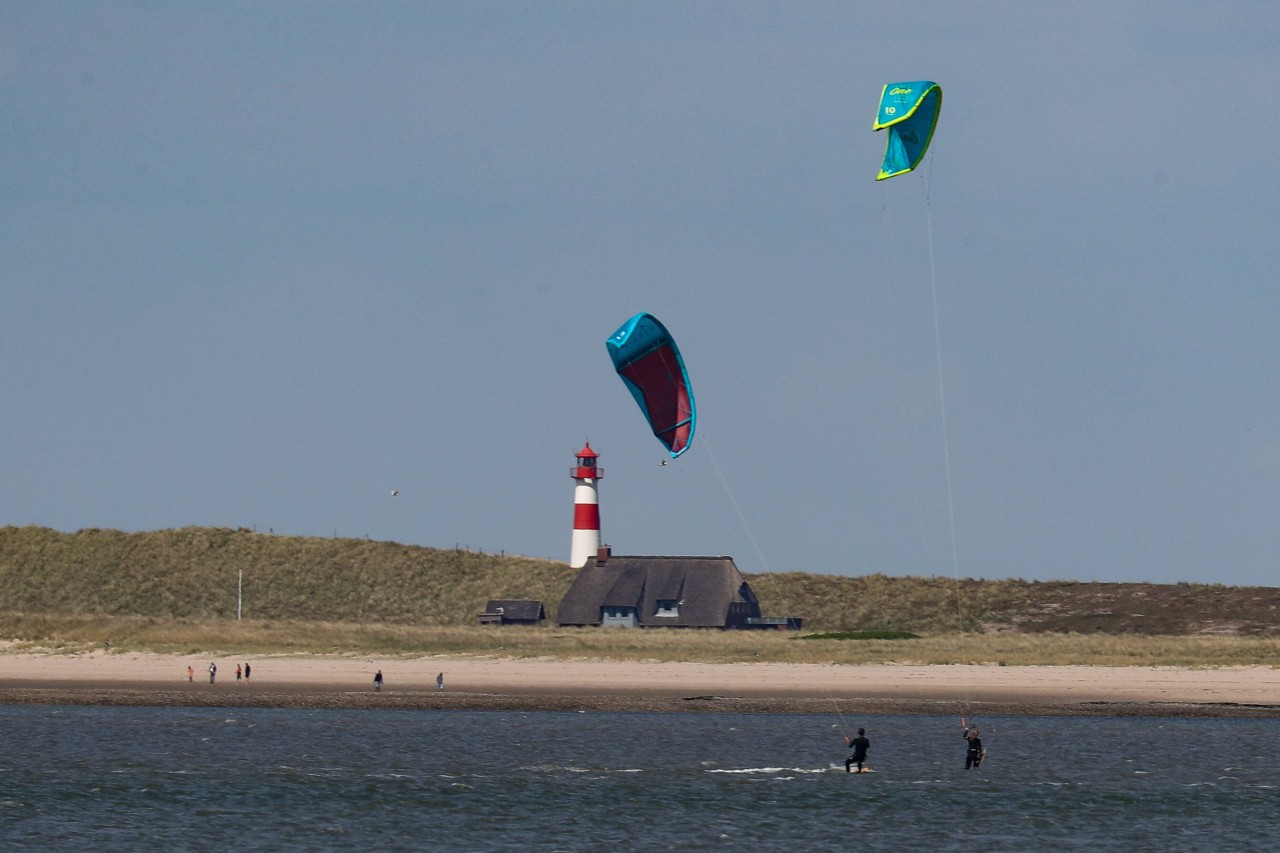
x: 395, y: 492
x: 662, y: 462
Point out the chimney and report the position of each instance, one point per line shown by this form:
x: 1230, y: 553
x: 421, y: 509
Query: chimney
x: 602, y: 555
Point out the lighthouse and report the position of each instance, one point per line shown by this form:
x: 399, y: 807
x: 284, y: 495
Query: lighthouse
x: 586, y: 508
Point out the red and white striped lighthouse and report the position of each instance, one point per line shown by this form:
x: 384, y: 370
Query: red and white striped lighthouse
x: 586, y: 508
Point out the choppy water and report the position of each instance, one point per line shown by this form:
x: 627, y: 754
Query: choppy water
x: 251, y: 779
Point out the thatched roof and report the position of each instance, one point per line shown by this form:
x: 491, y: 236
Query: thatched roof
x: 709, y: 592
x: 516, y: 610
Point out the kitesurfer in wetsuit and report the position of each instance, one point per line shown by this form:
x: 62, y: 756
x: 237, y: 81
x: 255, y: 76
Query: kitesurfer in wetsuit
x: 973, y: 757
x: 859, y: 745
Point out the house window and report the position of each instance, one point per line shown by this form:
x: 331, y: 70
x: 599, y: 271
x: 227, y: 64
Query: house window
x: 667, y: 607
x: 624, y: 617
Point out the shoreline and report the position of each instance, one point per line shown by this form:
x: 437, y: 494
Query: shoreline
x: 543, y: 684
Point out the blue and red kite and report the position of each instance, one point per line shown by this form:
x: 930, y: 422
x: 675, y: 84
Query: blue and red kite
x: 646, y: 357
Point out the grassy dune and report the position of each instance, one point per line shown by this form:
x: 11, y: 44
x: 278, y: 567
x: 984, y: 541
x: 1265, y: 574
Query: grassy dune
x: 176, y: 591
x: 194, y: 572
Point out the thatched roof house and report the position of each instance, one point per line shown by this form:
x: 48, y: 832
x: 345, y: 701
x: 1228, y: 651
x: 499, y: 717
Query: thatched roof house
x: 647, y: 592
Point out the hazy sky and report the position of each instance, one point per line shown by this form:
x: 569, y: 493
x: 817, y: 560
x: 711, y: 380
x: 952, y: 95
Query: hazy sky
x: 262, y: 263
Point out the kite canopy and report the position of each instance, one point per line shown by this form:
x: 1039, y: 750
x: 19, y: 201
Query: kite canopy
x: 909, y: 111
x: 646, y: 357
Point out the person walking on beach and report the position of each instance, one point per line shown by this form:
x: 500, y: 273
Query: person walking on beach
x: 246, y: 671
x: 191, y: 674
x: 440, y: 682
x: 975, y: 753
x: 237, y: 673
x: 859, y: 745
x: 377, y: 680
x: 213, y: 671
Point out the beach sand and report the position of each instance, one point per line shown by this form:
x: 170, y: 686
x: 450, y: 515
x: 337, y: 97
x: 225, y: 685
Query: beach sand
x: 478, y: 683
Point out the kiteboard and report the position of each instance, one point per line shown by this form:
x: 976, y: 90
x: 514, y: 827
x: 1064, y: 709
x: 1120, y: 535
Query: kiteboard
x: 852, y: 770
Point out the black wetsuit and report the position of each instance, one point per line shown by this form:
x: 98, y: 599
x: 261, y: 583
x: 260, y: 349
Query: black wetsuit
x: 973, y: 757
x: 860, y: 746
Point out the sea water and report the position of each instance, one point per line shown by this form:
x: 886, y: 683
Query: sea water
x: 104, y: 779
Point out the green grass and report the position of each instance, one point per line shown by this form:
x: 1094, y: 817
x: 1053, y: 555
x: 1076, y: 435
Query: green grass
x: 862, y: 635
x: 74, y: 634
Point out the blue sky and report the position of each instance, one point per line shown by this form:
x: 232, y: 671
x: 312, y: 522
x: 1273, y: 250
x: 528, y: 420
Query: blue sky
x: 265, y: 262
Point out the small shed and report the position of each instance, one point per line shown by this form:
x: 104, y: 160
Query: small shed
x: 513, y: 611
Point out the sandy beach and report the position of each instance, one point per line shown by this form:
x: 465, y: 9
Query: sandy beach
x: 474, y: 683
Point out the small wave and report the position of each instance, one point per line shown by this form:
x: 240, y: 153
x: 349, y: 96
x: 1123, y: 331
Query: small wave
x: 772, y: 771
x: 555, y: 768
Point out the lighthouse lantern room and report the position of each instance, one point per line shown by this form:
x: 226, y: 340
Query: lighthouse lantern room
x: 586, y: 508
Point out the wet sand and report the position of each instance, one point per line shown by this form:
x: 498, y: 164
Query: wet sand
x: 588, y: 685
